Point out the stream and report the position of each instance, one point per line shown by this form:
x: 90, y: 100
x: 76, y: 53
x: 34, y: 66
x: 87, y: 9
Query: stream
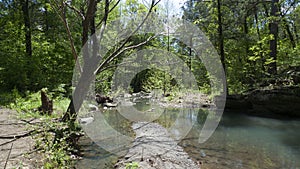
x: 240, y: 141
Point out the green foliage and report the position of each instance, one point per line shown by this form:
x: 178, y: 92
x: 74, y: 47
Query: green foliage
x: 247, y: 38
x: 51, y: 62
x: 153, y: 79
x: 53, y: 138
x: 246, y: 34
x: 132, y: 165
x: 27, y: 105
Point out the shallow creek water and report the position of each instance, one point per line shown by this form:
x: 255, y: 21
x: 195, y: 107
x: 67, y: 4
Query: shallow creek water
x: 240, y: 141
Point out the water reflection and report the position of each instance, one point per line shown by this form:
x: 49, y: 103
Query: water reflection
x: 240, y: 141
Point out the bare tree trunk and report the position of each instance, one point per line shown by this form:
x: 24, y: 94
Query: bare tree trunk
x: 90, y: 66
x: 25, y: 10
x: 273, y: 26
x: 86, y: 77
x: 221, y: 37
x: 79, y: 94
x: 221, y: 41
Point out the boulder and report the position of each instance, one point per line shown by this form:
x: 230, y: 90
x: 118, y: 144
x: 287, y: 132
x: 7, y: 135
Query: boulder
x: 237, y: 102
x: 279, y: 102
x: 103, y: 99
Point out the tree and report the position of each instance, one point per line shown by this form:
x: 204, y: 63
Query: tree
x: 25, y: 10
x: 274, y: 35
x: 254, y: 47
x: 89, y: 67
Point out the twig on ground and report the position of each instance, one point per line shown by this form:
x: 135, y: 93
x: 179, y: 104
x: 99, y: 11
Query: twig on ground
x: 17, y: 136
x: 8, y: 155
x: 8, y: 142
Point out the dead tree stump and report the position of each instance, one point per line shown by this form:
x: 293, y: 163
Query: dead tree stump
x: 47, y: 104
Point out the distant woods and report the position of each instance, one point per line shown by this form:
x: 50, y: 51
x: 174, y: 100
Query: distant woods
x: 257, y: 40
x: 258, y: 43
x: 34, y: 52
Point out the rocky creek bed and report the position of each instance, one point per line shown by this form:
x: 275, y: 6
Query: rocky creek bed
x: 153, y: 148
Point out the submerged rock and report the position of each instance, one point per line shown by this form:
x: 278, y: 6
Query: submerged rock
x: 92, y: 107
x: 110, y: 104
x: 86, y: 120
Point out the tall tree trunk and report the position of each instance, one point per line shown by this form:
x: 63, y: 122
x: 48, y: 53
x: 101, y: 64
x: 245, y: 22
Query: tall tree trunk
x: 246, y: 31
x: 273, y: 26
x: 221, y: 42
x: 90, y: 61
x: 28, y: 46
x: 86, y: 77
x: 221, y: 37
x: 257, y: 29
x: 26, y: 17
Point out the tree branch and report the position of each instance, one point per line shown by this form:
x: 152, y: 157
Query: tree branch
x: 119, y: 50
x: 113, y: 66
x: 108, y: 13
x: 60, y: 11
x: 75, y: 9
x: 127, y: 48
x: 288, y: 9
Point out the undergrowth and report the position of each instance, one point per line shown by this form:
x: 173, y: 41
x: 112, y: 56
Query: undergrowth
x: 54, y: 140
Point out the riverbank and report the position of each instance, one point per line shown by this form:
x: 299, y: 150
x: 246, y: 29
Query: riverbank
x: 276, y: 102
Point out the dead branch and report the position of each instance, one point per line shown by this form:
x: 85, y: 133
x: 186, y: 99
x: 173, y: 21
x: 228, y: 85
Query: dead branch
x: 8, y: 155
x: 27, y: 153
x: 17, y: 136
x: 10, y: 141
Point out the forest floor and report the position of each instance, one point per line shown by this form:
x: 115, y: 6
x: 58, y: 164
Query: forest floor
x: 154, y: 148
x: 16, y: 144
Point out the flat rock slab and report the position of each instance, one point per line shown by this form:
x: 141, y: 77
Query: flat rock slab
x: 20, y: 152
x: 154, y: 148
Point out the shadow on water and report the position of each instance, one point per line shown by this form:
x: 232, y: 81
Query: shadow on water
x: 240, y: 141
